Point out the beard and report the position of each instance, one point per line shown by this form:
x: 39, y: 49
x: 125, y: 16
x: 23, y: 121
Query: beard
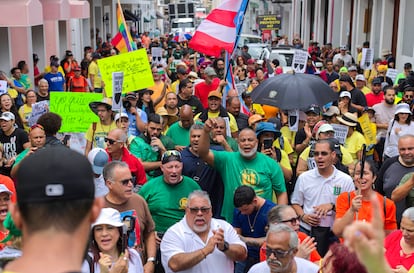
x: 252, y: 152
x: 389, y: 102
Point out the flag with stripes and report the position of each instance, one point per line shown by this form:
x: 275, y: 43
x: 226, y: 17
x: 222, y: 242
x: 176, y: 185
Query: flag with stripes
x: 123, y: 40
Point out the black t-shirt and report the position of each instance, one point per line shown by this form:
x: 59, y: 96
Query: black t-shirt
x: 40, y: 98
x: 12, y: 146
x: 194, y: 102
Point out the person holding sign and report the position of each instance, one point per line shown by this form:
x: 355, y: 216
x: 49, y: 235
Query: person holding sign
x: 95, y: 136
x: 356, y: 205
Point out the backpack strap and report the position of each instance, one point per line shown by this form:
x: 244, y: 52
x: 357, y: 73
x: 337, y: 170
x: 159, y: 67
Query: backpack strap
x: 94, y: 124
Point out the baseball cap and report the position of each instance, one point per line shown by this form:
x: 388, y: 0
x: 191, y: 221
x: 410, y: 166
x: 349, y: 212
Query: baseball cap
x: 250, y: 61
x: 376, y: 81
x: 96, y: 55
x: 325, y: 128
x: 343, y: 47
x: 255, y: 118
x: 215, y: 93
x: 346, y: 78
x: 171, y: 155
x: 109, y: 216
x: 7, y: 116
x: 77, y: 68
x: 352, y: 68
x: 120, y: 115
x: 313, y: 109
x: 360, y: 77
x: 333, y: 110
x: 209, y: 71
x: 3, y: 188
x: 55, y: 173
x: 192, y: 74
x: 182, y: 71
x: 345, y: 94
x: 98, y: 157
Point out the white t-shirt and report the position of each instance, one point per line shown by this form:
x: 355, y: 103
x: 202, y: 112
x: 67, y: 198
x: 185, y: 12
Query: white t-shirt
x: 302, y: 265
x: 134, y: 265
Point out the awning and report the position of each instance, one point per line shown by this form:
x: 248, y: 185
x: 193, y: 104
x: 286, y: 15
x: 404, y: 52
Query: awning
x: 147, y: 20
x: 129, y: 16
x: 30, y: 13
x: 56, y: 9
x: 152, y: 17
x: 79, y: 9
x: 159, y: 15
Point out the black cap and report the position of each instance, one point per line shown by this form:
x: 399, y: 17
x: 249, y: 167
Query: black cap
x: 376, y: 81
x: 313, y: 109
x: 346, y: 78
x: 55, y: 174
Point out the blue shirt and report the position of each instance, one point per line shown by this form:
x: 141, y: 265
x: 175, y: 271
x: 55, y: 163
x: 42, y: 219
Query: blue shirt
x: 55, y: 81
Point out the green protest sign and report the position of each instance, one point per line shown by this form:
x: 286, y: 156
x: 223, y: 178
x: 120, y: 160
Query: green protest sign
x: 74, y: 109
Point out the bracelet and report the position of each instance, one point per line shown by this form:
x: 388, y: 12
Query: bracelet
x: 305, y: 143
x: 301, y: 217
x: 202, y: 252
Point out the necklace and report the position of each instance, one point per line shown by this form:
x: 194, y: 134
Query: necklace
x: 254, y: 221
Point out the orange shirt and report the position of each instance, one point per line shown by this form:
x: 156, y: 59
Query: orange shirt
x: 314, y: 256
x: 78, y: 84
x: 343, y: 203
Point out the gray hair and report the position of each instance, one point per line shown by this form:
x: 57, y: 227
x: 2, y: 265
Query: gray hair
x: 275, y: 214
x: 43, y: 81
x: 108, y: 170
x: 200, y: 194
x: 409, y: 213
x: 279, y: 228
x: 196, y: 126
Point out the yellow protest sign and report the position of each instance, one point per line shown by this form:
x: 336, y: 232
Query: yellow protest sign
x: 370, y: 132
x: 136, y: 68
x: 74, y: 109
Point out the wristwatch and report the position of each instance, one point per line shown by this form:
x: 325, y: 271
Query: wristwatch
x: 225, y: 246
x: 151, y: 259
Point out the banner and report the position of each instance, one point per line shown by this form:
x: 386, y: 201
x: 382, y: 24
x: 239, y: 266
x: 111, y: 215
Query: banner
x: 117, y: 80
x: 370, y: 132
x: 74, y: 109
x: 269, y: 22
x: 136, y: 68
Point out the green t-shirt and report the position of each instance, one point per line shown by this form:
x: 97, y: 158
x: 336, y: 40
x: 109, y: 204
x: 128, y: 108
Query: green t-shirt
x: 178, y: 134
x: 166, y: 202
x: 262, y: 173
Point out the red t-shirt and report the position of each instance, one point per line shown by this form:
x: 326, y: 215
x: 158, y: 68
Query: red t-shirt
x: 394, y: 253
x: 135, y: 166
x: 202, y: 90
x: 373, y: 99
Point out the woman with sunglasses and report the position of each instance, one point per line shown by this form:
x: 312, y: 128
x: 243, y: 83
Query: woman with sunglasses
x: 356, y: 205
x: 285, y: 214
x: 108, y: 251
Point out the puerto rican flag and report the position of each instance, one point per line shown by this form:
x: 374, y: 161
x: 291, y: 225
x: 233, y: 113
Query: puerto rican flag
x: 220, y: 28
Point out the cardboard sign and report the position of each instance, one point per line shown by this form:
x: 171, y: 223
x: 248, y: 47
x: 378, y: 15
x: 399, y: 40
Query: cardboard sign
x: 3, y: 87
x: 369, y: 134
x: 74, y: 109
x: 300, y: 59
x: 367, y: 58
x: 293, y: 120
x: 38, y: 109
x: 341, y: 131
x: 136, y: 68
x: 392, y: 73
x: 117, y: 81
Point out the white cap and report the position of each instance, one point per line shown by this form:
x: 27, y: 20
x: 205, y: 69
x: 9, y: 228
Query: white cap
x: 3, y: 188
x: 109, y: 216
x: 345, y: 94
x: 360, y: 77
x: 121, y: 115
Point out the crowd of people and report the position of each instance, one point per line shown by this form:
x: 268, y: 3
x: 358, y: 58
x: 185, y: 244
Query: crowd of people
x: 196, y: 178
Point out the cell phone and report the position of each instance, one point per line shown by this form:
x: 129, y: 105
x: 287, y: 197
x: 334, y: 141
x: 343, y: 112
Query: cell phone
x: 268, y: 143
x: 124, y: 238
x: 66, y: 139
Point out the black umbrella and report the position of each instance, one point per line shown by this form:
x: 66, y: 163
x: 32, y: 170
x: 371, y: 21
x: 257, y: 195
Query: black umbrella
x: 293, y: 91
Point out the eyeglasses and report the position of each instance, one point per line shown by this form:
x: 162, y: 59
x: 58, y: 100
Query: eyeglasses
x: 111, y: 141
x: 408, y: 96
x: 203, y: 210
x: 293, y: 220
x: 320, y: 153
x: 37, y: 126
x: 277, y: 252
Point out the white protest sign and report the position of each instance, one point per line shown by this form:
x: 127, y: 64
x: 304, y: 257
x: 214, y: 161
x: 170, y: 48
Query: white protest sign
x: 156, y: 53
x: 367, y: 58
x: 392, y: 73
x: 300, y: 59
x: 38, y: 109
x: 341, y: 131
x: 293, y: 120
x: 117, y: 80
x: 3, y: 87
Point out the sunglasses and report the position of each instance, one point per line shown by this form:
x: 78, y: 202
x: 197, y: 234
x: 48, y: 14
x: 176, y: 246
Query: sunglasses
x: 169, y: 153
x: 277, y: 252
x: 204, y: 210
x: 125, y: 182
x: 320, y: 153
x: 293, y: 220
x: 111, y: 141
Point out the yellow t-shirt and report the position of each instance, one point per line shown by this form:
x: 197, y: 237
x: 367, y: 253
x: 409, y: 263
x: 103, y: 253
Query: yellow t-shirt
x: 98, y: 138
x: 286, y: 145
x: 232, y: 120
x: 93, y: 69
x: 157, y: 88
x: 354, y: 144
x: 258, y: 109
x: 24, y: 113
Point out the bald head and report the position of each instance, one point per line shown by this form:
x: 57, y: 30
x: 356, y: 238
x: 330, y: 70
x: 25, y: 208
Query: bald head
x: 186, y: 116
